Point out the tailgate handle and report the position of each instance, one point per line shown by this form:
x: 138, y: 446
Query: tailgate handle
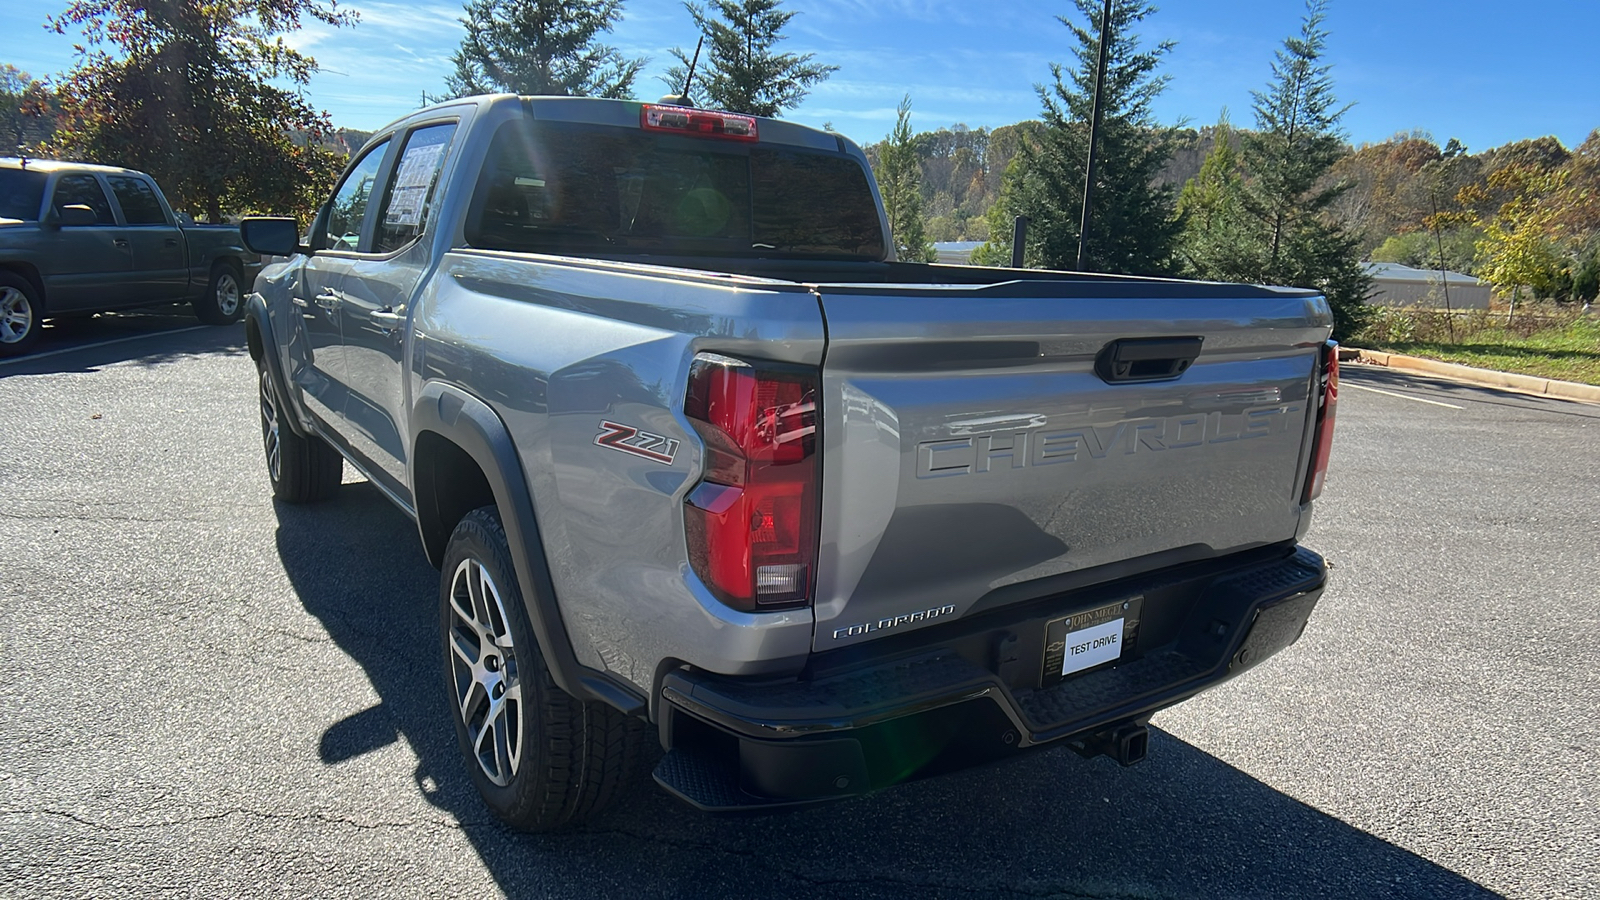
x: 1146, y: 359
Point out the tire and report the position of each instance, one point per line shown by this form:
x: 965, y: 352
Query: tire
x: 540, y: 759
x: 21, y: 314
x: 223, y: 301
x: 301, y: 469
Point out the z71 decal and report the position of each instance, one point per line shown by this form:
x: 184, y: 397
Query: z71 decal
x: 654, y: 447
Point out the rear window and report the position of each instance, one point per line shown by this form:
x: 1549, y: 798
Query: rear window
x: 563, y: 187
x: 21, y: 192
x: 138, y: 200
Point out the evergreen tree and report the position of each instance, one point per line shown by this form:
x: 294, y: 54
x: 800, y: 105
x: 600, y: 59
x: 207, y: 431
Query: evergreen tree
x: 899, y: 178
x: 739, y: 70
x: 1296, y: 141
x: 1131, y: 228
x: 541, y: 47
x: 1216, y: 241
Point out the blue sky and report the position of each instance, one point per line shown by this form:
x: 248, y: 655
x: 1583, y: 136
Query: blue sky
x: 1483, y: 72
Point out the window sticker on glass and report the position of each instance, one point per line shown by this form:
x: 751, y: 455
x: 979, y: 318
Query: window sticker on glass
x: 412, y: 180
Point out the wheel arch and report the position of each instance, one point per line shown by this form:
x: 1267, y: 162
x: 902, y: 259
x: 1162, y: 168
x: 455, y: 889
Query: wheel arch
x: 29, y: 273
x: 263, y: 349
x: 460, y: 444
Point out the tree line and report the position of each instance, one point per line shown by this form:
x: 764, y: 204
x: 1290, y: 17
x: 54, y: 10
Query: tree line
x: 207, y: 96
x: 1288, y: 201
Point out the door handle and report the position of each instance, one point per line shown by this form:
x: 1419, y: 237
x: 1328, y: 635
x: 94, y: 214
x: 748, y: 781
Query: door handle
x: 119, y: 242
x: 171, y: 242
x: 329, y: 299
x: 389, y: 320
x: 1146, y: 359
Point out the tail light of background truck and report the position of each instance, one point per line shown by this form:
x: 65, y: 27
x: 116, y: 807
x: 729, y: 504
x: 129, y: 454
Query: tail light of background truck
x: 1327, y: 383
x: 752, y: 520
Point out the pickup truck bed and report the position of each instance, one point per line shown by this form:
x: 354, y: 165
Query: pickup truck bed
x: 825, y: 520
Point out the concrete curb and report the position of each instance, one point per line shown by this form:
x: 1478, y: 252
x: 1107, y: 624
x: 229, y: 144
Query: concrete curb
x: 1527, y: 384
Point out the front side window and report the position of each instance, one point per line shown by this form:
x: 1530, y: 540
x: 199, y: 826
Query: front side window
x: 410, y: 192
x: 140, y: 206
x: 84, y: 190
x: 348, y: 209
x: 567, y: 187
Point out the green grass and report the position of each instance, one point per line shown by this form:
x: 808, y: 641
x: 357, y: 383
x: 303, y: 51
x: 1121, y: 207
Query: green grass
x: 1564, y: 346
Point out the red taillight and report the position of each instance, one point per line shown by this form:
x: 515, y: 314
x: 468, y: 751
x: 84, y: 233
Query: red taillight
x: 1322, y: 439
x: 698, y: 122
x: 752, y: 520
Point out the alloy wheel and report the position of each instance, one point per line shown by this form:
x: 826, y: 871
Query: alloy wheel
x: 270, y: 437
x: 483, y: 668
x: 227, y: 294
x: 16, y: 315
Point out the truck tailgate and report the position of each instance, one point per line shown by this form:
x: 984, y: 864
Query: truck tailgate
x: 973, y: 457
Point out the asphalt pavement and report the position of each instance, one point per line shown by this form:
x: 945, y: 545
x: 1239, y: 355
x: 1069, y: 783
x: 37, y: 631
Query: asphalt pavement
x: 203, y: 693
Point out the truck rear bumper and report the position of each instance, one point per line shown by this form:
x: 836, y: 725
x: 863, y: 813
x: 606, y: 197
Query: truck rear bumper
x: 976, y: 693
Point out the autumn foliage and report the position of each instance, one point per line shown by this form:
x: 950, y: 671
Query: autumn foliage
x: 189, y: 91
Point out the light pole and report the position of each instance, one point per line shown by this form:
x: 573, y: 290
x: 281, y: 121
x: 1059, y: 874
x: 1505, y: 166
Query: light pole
x: 1094, y: 131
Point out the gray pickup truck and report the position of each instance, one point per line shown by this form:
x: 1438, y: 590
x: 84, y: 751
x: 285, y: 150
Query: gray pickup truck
x: 77, y: 239
x: 690, y: 448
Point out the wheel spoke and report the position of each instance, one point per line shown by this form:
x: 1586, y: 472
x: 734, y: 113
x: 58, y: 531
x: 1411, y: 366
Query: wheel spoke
x: 512, y: 702
x: 469, y: 655
x: 494, y: 616
x: 471, y: 699
x: 474, y: 584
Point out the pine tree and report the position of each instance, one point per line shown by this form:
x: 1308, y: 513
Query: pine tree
x: 739, y: 71
x: 1296, y: 141
x: 1217, y: 242
x: 900, y: 184
x: 541, y: 47
x: 1131, y: 228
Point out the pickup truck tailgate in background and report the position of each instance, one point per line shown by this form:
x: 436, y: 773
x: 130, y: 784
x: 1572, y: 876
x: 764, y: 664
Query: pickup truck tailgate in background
x: 973, y: 457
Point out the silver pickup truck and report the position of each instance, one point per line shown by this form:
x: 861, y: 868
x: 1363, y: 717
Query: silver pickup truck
x: 77, y: 239
x: 690, y: 448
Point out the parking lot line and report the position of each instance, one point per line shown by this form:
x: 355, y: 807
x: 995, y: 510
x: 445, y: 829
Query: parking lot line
x: 121, y: 340
x: 1362, y: 387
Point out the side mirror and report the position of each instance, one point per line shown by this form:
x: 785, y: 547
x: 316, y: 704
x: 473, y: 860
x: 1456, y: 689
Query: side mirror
x: 75, y: 216
x: 271, y: 235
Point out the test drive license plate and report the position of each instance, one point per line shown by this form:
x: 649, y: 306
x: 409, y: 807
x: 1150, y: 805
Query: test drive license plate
x: 1090, y: 638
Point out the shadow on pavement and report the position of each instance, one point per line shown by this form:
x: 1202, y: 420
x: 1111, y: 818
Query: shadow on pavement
x: 1183, y: 824
x: 148, y: 336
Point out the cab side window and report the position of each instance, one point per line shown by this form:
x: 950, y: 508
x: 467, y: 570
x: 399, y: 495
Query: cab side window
x: 138, y: 200
x: 84, y: 190
x: 410, y: 193
x: 348, y: 209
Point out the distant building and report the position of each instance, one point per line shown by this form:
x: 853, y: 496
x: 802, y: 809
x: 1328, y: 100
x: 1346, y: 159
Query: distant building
x: 1397, y: 285
x: 957, y: 253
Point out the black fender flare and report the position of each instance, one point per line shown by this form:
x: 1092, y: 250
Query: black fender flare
x: 263, y: 347
x: 476, y: 429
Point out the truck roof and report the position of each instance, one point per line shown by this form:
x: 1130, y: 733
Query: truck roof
x: 61, y: 165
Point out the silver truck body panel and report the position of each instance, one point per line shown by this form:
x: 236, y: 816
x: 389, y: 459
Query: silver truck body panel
x: 557, y: 346
x: 970, y: 446
x: 918, y: 381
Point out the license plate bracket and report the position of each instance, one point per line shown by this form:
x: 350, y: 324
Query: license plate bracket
x: 1090, y: 639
